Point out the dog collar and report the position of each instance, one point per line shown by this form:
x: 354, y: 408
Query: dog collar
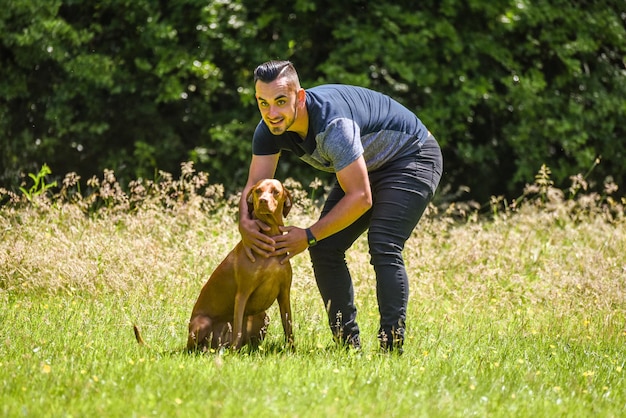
x: 310, y: 238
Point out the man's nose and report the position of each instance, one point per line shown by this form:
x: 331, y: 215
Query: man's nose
x: 272, y: 111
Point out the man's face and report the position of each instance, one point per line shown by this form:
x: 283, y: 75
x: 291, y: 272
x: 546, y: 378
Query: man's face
x: 278, y: 104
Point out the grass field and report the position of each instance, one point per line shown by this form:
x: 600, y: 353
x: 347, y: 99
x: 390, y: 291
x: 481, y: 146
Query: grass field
x: 521, y: 313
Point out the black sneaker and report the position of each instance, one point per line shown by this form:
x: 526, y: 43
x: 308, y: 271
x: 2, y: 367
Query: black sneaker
x: 353, y: 342
x: 391, y: 341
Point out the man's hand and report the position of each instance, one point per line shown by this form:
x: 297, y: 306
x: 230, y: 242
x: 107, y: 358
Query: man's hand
x: 292, y: 242
x: 253, y: 240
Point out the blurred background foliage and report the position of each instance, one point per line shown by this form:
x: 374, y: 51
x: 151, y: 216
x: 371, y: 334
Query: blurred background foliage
x: 138, y: 86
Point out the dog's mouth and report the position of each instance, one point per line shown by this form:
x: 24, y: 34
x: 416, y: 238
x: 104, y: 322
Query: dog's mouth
x: 263, y: 209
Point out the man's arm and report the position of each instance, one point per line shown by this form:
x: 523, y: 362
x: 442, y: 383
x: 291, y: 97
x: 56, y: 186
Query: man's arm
x: 354, y: 181
x: 261, y: 167
x: 357, y: 200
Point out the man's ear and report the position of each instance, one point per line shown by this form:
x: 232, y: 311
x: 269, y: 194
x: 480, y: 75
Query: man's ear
x: 301, y: 96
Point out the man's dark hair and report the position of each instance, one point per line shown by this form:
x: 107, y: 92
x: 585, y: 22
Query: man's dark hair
x: 271, y: 70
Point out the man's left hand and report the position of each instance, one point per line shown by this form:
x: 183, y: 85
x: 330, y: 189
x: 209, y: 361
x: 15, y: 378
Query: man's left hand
x: 292, y: 242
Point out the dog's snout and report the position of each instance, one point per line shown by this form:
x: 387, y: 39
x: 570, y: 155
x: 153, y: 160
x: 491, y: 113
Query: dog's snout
x: 267, y: 197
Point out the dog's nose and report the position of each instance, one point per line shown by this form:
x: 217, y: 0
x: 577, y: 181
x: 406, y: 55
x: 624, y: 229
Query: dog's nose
x: 266, y: 197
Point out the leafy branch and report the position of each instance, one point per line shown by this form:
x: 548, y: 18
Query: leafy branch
x: 40, y: 186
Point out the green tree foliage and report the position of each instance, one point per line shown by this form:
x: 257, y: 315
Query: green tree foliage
x: 139, y: 86
x: 504, y: 85
x: 128, y: 85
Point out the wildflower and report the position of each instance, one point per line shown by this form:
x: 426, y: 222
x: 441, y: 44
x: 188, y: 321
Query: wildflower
x: 609, y: 186
x: 316, y: 184
x: 46, y: 369
x: 93, y: 182
x: 187, y: 168
x: 578, y: 182
x: 70, y: 180
x: 109, y: 176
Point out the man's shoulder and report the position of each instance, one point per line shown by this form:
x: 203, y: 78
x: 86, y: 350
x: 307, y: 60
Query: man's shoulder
x: 352, y: 95
x: 336, y: 88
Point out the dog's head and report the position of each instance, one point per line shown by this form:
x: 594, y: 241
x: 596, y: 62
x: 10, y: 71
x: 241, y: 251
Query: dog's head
x: 268, y: 199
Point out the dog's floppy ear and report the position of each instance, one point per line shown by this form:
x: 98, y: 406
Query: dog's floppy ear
x: 250, y: 202
x: 287, y: 204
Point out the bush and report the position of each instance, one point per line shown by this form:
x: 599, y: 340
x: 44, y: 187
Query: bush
x: 137, y: 87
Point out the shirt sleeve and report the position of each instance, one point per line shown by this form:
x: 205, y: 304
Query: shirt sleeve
x: 263, y: 142
x: 341, y: 143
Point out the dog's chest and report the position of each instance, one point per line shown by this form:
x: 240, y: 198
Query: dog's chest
x: 267, y: 270
x: 267, y: 280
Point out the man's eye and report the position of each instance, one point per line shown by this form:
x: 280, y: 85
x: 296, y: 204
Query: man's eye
x: 281, y: 102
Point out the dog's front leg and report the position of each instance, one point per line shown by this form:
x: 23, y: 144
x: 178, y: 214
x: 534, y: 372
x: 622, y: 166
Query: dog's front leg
x: 285, y: 314
x: 241, y: 299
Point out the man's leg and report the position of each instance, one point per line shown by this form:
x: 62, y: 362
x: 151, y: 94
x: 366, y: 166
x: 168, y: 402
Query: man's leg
x: 400, y: 198
x: 333, y: 277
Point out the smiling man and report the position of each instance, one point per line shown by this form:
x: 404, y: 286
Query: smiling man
x: 387, y: 165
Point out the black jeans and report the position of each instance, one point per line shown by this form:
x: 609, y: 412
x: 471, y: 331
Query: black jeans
x: 401, y: 190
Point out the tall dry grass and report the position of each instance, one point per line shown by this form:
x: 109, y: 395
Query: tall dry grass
x: 548, y: 245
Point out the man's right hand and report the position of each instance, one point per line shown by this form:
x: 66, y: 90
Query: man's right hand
x: 254, y: 241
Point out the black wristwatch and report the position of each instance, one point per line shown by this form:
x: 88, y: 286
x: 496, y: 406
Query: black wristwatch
x: 310, y: 238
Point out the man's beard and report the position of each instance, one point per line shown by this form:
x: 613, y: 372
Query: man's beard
x: 288, y: 123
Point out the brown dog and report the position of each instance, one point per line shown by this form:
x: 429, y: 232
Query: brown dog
x: 230, y: 310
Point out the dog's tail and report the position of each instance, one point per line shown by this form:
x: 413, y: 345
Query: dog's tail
x: 138, y: 336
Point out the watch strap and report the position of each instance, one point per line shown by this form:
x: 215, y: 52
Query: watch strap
x: 310, y: 238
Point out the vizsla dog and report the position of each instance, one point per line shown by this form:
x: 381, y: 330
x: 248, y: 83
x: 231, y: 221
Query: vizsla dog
x: 230, y: 310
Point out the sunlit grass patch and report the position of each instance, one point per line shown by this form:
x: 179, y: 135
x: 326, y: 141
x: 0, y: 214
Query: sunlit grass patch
x: 519, y: 312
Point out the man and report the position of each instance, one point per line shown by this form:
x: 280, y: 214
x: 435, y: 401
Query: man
x: 387, y: 165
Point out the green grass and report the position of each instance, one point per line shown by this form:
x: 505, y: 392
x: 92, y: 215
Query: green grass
x: 522, y: 314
